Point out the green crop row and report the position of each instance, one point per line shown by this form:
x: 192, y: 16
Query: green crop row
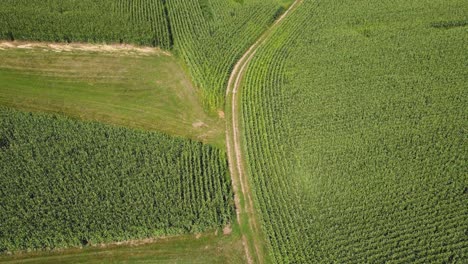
x: 210, y: 38
x: 354, y: 121
x: 136, y: 22
x: 71, y: 183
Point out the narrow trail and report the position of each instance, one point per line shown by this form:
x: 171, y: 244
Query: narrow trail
x: 252, y: 238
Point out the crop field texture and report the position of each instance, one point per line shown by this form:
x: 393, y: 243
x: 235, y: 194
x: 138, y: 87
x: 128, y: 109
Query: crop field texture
x: 355, y: 133
x: 209, y: 36
x: 77, y: 183
x: 139, y: 22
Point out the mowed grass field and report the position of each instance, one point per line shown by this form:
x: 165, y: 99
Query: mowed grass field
x: 208, y: 248
x: 355, y: 125
x: 135, y: 89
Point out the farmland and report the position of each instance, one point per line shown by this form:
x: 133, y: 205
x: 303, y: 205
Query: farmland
x: 209, y: 248
x: 237, y: 131
x: 144, y: 90
x: 208, y: 36
x: 137, y: 22
x: 354, y: 125
x: 85, y: 182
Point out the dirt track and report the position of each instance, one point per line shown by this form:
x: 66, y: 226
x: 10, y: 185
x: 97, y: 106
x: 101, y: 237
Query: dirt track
x: 234, y: 147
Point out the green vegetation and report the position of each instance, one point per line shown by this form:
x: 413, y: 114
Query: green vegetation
x: 140, y: 22
x: 209, y: 248
x: 140, y: 90
x: 209, y: 36
x: 71, y: 183
x: 355, y: 129
x: 131, y: 90
x: 353, y: 119
x: 215, y: 37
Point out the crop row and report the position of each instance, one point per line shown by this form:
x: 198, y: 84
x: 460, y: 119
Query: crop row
x: 85, y: 21
x: 353, y: 129
x: 71, y: 183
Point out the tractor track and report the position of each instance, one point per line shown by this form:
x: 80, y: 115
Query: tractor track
x: 234, y: 149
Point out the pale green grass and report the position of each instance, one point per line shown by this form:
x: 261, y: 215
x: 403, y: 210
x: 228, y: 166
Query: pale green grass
x: 209, y: 248
x: 144, y: 91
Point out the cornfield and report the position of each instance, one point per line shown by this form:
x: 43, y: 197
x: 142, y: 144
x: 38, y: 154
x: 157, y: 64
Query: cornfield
x: 77, y: 183
x: 355, y: 129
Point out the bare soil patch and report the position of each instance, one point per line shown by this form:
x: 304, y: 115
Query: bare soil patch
x: 198, y: 124
x: 68, y: 47
x: 227, y: 230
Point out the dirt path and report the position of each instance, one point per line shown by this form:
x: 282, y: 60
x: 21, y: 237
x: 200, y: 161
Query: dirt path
x: 242, y: 192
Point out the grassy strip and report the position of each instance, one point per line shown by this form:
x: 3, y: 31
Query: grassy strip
x: 207, y: 248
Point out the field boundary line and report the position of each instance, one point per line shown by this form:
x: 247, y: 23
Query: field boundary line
x: 243, y: 199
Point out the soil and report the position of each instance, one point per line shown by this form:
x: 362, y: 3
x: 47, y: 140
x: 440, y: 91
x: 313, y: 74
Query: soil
x: 227, y: 230
x: 68, y: 47
x: 198, y: 124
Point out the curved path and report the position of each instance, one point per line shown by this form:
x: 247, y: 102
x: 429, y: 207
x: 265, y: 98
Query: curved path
x: 252, y: 238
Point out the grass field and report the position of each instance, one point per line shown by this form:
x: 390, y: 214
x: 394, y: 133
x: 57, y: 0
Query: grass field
x: 135, y: 89
x: 209, y: 248
x: 355, y: 129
